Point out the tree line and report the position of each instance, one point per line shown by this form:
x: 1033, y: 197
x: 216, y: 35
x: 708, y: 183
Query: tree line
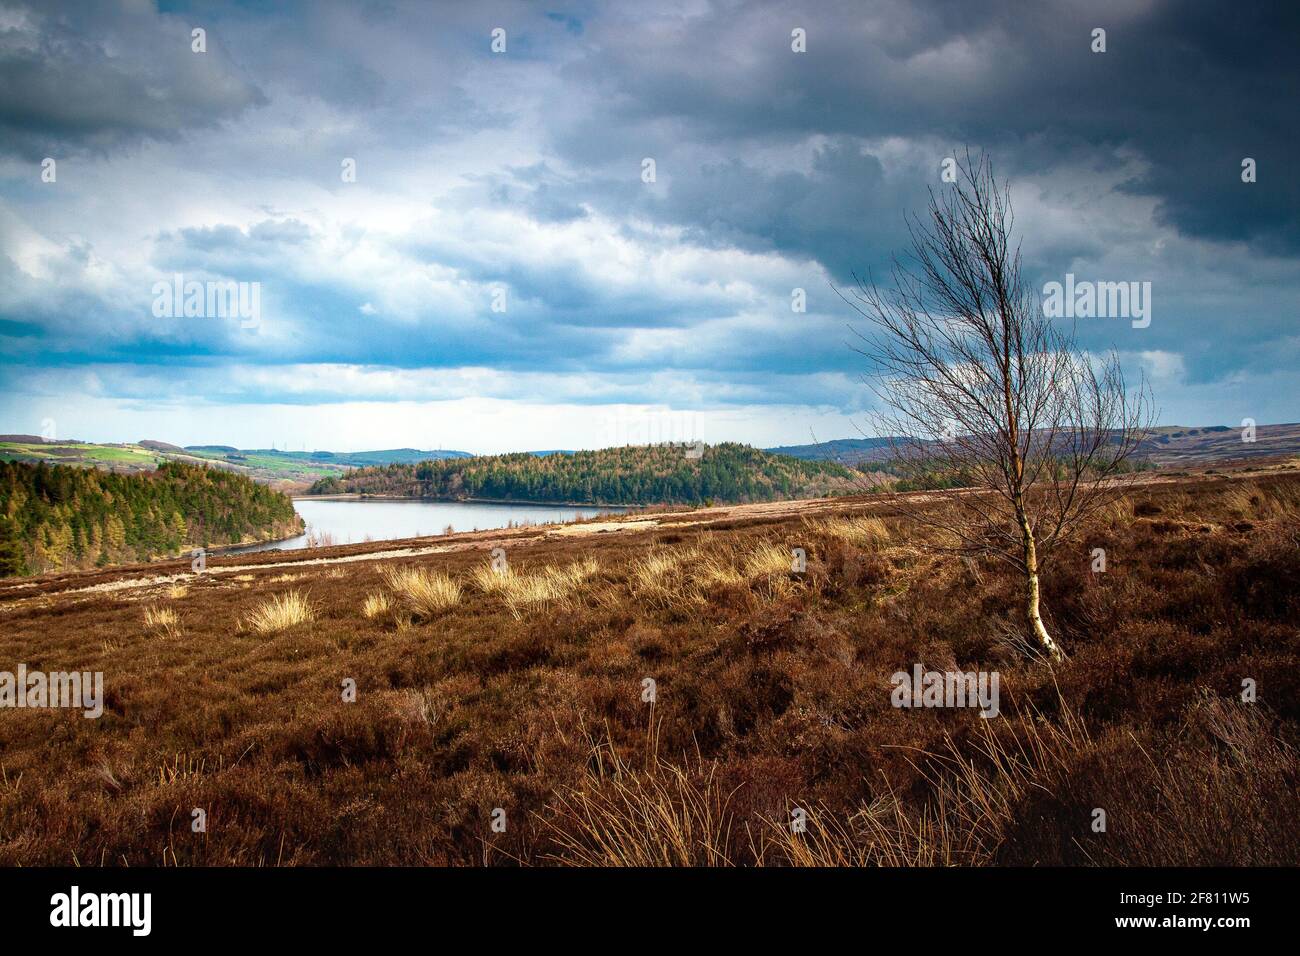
x: 669, y: 473
x: 59, y: 517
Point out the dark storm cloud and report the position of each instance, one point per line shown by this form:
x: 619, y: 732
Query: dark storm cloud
x: 1192, y: 88
x: 92, y: 76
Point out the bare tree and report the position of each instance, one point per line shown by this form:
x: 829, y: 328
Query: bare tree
x: 981, y: 390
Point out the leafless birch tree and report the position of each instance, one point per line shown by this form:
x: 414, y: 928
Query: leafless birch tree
x: 988, y: 393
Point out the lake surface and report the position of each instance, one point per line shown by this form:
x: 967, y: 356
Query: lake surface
x: 352, y: 522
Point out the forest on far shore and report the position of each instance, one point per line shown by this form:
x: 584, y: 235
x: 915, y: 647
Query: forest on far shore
x: 669, y: 473
x: 60, y: 517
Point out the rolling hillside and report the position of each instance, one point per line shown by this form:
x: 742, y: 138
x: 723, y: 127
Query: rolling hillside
x: 1167, y: 445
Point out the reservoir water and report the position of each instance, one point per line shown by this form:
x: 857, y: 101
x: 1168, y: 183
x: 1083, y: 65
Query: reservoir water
x: 373, y: 519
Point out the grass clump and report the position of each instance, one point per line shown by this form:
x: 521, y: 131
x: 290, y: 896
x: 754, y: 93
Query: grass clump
x: 161, y: 621
x: 862, y: 531
x: 427, y: 593
x: 664, y: 816
x: 280, y: 612
x: 376, y: 604
x: 523, y: 591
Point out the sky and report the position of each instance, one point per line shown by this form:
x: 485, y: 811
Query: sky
x: 459, y: 246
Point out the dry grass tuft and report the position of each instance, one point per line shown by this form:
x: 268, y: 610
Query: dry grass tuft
x: 427, y: 593
x: 768, y: 559
x: 663, y: 579
x: 489, y: 580
x: 665, y: 816
x: 280, y: 613
x: 376, y: 605
x: 161, y: 621
x: 523, y: 591
x: 863, y: 531
x: 670, y: 580
x: 1247, y: 500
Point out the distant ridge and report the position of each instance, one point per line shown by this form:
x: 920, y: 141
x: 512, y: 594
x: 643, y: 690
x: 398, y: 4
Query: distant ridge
x: 842, y: 450
x: 1164, y: 445
x: 356, y: 459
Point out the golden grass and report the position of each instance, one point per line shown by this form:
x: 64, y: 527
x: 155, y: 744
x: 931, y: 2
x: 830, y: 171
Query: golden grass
x: 280, y: 612
x: 650, y: 571
x: 181, y: 769
x: 1249, y: 501
x: 768, y: 567
x: 661, y: 579
x: 427, y: 593
x: 177, y: 591
x: 490, y: 580
x: 976, y: 793
x: 573, y: 576
x: 767, y: 559
x: 668, y: 579
x: 863, y: 531
x: 161, y: 621
x: 523, y: 591
x: 376, y: 605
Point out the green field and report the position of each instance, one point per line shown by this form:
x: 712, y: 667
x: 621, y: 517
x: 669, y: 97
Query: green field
x: 80, y: 453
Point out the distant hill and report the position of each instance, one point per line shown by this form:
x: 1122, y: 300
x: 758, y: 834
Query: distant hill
x: 1166, y: 445
x: 843, y: 450
x: 1177, y: 445
x: 630, y: 475
x: 332, y: 459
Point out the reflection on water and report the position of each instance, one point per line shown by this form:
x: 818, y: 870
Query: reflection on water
x: 351, y: 522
